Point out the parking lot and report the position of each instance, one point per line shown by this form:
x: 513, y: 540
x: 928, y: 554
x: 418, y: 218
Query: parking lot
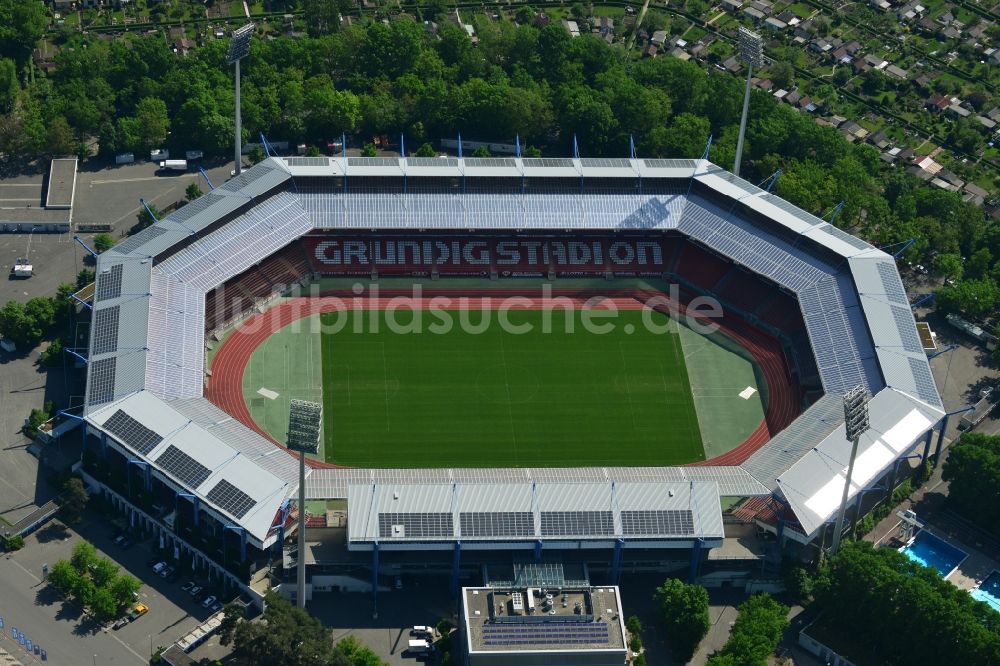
x: 62, y: 629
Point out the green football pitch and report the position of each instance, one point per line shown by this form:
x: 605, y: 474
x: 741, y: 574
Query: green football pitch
x: 492, y: 398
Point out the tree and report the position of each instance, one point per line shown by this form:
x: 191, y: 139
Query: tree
x: 103, y: 603
x: 782, y: 74
x: 684, y: 609
x: 368, y: 150
x: 949, y: 265
x: 15, y: 542
x: 996, y: 352
x: 73, y: 503
x: 84, y: 591
x: 52, y: 356
x: 974, y: 298
x: 84, y: 556
x: 18, y: 326
x: 123, y: 588
x: 257, y: 155
x: 357, y: 653
x: 104, y: 572
x: 84, y: 277
x: 103, y: 242
x: 973, y: 468
x: 875, y: 595
x: 425, y: 150
x: 63, y: 576
x: 481, y: 151
x: 143, y: 218
x: 35, y: 420
x: 192, y: 192
x: 9, y: 86
x: 755, y: 634
x: 152, y: 122
x: 60, y: 137
x: 22, y: 24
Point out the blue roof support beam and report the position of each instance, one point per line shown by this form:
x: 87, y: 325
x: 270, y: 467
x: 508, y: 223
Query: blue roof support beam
x: 836, y: 212
x: 207, y: 180
x: 695, y: 559
x: 73, y: 353
x: 770, y: 181
x: 923, y: 299
x: 148, y: 210
x: 81, y: 301
x: 374, y: 580
x: 631, y: 147
x: 616, y: 561
x: 85, y: 247
x: 708, y: 148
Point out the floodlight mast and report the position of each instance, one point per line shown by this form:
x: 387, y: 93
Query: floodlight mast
x: 856, y: 424
x: 239, y: 48
x: 751, y: 52
x: 304, y: 420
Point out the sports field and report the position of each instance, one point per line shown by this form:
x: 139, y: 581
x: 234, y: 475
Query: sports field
x: 495, y: 398
x: 482, y: 396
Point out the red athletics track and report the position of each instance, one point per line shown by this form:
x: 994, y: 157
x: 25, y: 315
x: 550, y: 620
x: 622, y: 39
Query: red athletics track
x: 225, y: 387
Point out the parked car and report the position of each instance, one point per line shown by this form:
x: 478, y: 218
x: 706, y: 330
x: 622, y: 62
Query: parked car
x: 189, y: 586
x: 194, y: 591
x: 209, y: 602
x: 121, y: 538
x: 217, y: 606
x: 166, y: 571
x: 159, y: 568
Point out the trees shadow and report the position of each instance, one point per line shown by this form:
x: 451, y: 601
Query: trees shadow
x: 54, y: 531
x: 47, y: 595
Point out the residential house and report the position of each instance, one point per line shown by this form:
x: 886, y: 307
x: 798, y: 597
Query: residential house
x: 680, y: 54
x: 899, y: 73
x: 852, y: 47
x: 840, y: 55
x: 62, y: 5
x: 950, y: 178
x: 906, y: 154
x: 879, y: 140
x: 986, y: 122
x: 732, y: 6
x: 951, y: 32
x: 542, y: 19
x: 606, y: 25
x: 430, y: 27
x: 923, y: 81
x: 658, y: 38
x: 780, y: 94
x: 957, y: 110
x: 919, y: 173
x: 788, y: 17
x: 860, y: 66
x: 571, y: 27
x: 852, y: 130
x: 837, y: 120
x: 772, y: 23
x: 649, y: 51
x: 765, y: 84
x: 732, y: 65
x: 806, y: 104
x: 946, y: 17
x: 928, y: 25
x: 763, y: 6
x: 183, y: 46
x: 754, y: 14
x: 911, y: 11
x: 876, y: 62
x: 793, y: 97
x: 994, y: 114
x: 926, y: 163
x: 975, y: 194
x: 937, y: 103
x: 881, y: 4
x: 820, y: 45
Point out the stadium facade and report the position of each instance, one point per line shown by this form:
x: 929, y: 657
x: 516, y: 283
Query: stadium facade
x: 221, y: 491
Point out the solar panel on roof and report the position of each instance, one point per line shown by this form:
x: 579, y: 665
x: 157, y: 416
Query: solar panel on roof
x: 243, y: 179
x: 907, y: 330
x: 373, y: 161
x: 649, y: 523
x: 577, y: 523
x: 131, y: 433
x: 926, y: 388
x: 432, y: 161
x: 497, y: 524
x: 104, y: 331
x: 490, y: 162
x: 415, y: 525
x: 190, y: 210
x: 183, y: 467
x: 307, y: 161
x: 101, y: 387
x: 230, y: 499
x: 132, y: 243
x: 669, y: 164
x: 891, y: 283
x: 606, y: 163
x: 109, y: 283
x: 853, y: 241
x: 547, y: 162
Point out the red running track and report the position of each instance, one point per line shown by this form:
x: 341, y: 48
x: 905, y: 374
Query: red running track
x: 225, y: 387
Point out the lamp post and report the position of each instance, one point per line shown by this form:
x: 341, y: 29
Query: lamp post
x: 751, y: 52
x: 304, y: 420
x: 856, y: 424
x: 239, y: 48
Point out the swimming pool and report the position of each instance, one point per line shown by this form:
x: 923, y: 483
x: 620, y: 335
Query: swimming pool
x: 989, y: 591
x: 931, y: 551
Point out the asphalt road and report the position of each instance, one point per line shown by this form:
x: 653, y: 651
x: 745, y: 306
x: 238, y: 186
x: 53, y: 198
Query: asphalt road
x: 67, y: 635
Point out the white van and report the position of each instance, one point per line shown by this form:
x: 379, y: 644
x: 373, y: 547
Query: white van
x: 419, y: 647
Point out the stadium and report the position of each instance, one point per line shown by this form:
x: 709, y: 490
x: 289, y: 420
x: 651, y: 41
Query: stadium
x: 452, y: 448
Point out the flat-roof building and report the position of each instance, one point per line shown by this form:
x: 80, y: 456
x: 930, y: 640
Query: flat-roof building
x: 537, y: 626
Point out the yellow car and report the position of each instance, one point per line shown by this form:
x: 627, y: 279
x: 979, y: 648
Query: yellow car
x: 137, y: 611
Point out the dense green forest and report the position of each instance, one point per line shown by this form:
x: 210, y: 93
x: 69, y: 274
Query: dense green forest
x: 374, y: 77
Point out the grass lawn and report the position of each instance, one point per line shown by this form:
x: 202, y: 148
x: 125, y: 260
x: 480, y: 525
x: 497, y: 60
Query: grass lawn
x: 500, y: 399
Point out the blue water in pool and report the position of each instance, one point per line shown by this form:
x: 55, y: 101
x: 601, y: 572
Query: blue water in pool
x: 931, y: 551
x: 989, y: 591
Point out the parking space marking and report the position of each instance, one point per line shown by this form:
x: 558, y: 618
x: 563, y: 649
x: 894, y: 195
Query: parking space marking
x: 135, y: 180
